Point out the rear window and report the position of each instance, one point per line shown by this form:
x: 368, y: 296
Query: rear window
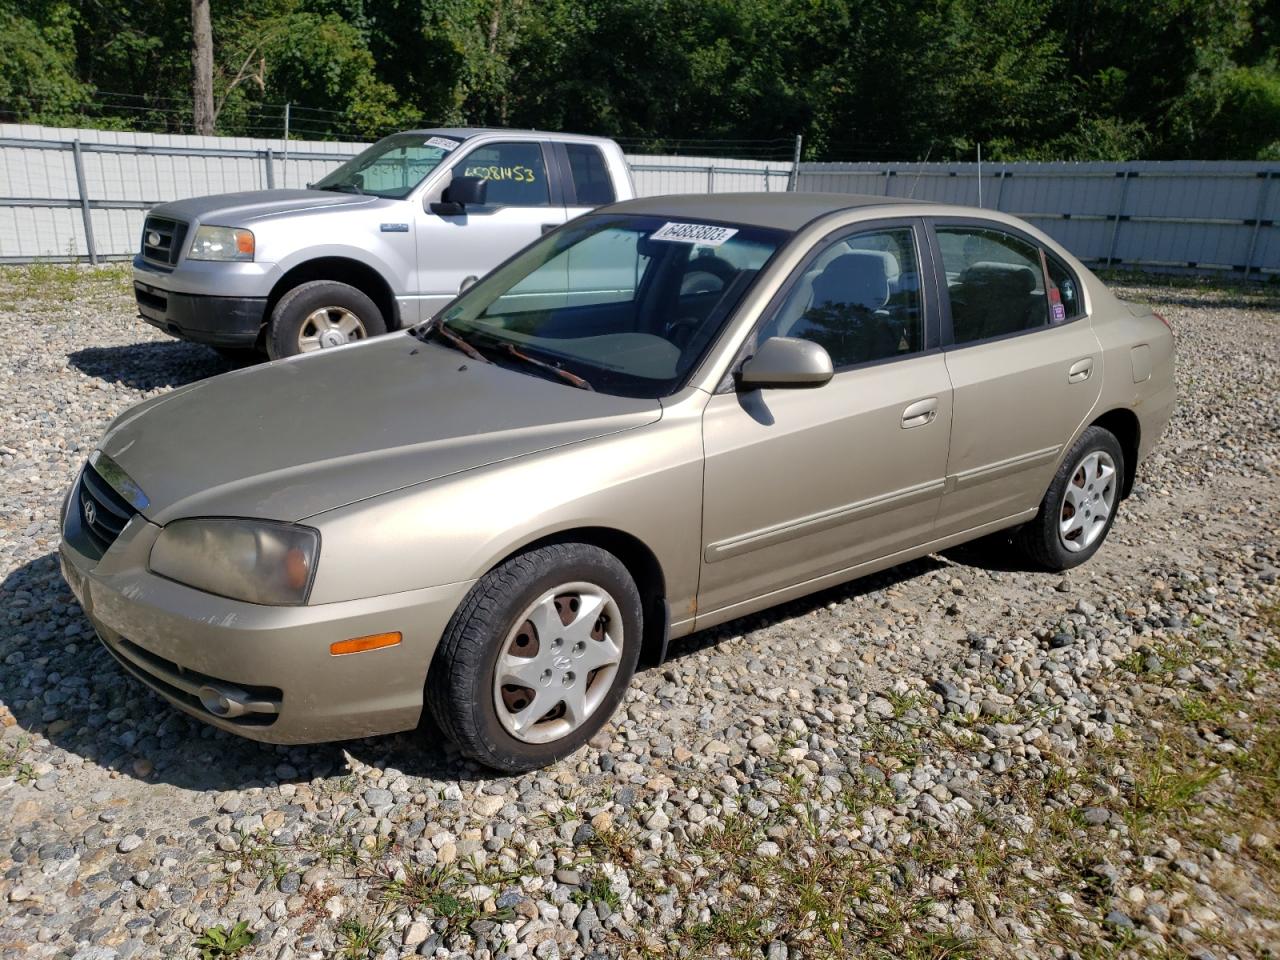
x: 591, y: 181
x: 994, y: 281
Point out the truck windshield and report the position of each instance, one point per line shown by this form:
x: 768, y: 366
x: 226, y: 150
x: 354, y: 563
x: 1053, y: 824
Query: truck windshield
x: 392, y: 167
x: 628, y: 304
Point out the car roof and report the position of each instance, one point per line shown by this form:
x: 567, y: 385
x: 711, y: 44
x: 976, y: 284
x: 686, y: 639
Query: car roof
x: 462, y: 133
x: 785, y: 211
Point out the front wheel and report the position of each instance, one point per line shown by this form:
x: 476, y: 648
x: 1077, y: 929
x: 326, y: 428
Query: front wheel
x: 321, y: 314
x: 1080, y: 505
x: 538, y: 656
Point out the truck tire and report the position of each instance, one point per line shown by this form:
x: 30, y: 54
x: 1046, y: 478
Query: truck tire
x: 321, y: 314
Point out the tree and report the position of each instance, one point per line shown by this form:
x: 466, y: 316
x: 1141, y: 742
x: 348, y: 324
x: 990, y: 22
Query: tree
x: 202, y: 67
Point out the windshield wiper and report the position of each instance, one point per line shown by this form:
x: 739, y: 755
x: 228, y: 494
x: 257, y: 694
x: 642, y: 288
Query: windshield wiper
x: 343, y: 188
x: 511, y: 350
x: 436, y: 325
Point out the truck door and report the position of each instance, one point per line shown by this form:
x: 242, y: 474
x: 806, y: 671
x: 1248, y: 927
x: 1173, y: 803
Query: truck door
x: 523, y: 202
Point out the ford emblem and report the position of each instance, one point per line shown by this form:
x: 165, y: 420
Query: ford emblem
x: 153, y: 238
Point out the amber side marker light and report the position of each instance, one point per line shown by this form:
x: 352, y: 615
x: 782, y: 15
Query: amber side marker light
x: 360, y: 644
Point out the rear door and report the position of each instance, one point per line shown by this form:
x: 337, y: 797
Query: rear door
x: 525, y: 199
x: 1025, y: 373
x: 585, y: 173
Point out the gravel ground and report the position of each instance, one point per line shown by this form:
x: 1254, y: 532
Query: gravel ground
x: 957, y: 758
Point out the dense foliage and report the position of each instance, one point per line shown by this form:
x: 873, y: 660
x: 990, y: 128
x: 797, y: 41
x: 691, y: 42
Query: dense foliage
x: 1029, y: 79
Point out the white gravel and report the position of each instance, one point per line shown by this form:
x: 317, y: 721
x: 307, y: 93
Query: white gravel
x: 876, y: 742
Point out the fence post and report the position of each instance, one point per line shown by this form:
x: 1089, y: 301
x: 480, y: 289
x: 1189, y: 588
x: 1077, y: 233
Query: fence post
x: 1000, y: 179
x: 711, y: 179
x: 90, y: 247
x: 795, y: 165
x: 1125, y: 176
x: 270, y: 156
x: 1266, y: 177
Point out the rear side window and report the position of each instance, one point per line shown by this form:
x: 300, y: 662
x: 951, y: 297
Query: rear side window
x: 591, y: 181
x: 515, y: 171
x: 1064, y: 291
x: 995, y: 283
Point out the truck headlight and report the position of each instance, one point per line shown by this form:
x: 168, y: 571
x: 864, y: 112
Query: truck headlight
x: 221, y: 243
x: 260, y: 561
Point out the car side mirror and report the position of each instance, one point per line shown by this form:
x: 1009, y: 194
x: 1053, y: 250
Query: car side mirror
x: 461, y: 193
x: 786, y: 362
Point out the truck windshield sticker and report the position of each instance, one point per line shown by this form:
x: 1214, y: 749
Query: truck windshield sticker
x: 517, y: 174
x: 444, y: 143
x: 703, y: 234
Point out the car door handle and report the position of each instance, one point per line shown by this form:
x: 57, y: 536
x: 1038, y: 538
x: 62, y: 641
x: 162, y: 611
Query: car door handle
x: 920, y: 413
x: 1080, y: 370
x: 548, y: 227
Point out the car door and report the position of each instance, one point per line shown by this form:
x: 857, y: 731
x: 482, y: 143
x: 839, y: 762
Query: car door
x: 803, y: 483
x: 1025, y: 374
x: 524, y: 201
x: 585, y: 174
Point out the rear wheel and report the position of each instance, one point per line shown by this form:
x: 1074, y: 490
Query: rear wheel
x: 1079, y: 507
x: 538, y: 656
x: 321, y: 314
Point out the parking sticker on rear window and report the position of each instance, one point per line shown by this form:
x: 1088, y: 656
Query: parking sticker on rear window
x: 444, y: 143
x: 700, y: 233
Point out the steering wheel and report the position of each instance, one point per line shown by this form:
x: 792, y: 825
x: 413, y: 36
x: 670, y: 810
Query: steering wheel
x: 706, y: 274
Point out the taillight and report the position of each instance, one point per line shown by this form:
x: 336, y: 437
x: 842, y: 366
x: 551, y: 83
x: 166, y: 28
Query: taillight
x: 1163, y: 319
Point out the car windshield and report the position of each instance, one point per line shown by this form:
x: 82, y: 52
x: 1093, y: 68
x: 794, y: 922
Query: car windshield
x: 627, y: 304
x: 392, y: 167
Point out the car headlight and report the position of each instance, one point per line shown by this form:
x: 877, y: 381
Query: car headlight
x: 260, y: 561
x: 221, y: 243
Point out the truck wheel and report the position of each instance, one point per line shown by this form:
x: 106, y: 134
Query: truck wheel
x: 538, y: 656
x: 320, y: 314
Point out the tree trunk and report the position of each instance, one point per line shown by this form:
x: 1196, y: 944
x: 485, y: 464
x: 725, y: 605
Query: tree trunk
x: 202, y: 67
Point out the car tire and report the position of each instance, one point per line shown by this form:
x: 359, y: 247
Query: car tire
x: 323, y: 313
x: 495, y: 636
x: 1080, y: 505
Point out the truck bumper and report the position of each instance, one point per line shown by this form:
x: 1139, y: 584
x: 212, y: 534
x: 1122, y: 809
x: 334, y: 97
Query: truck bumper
x: 217, y: 321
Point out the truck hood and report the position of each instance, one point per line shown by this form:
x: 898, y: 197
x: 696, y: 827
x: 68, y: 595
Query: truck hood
x: 294, y: 438
x: 237, y: 209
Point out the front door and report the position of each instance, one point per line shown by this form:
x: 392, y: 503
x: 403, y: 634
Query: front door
x: 522, y: 203
x: 804, y: 483
x: 1025, y: 371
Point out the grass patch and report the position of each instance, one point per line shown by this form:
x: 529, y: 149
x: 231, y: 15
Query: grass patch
x: 44, y: 283
x: 217, y: 942
x: 360, y: 939
x: 13, y: 765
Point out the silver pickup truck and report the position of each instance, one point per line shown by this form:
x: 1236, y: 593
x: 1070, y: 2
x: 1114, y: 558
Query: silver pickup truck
x: 380, y: 243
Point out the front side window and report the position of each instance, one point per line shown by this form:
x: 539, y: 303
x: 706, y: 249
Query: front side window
x: 392, y: 167
x: 859, y: 299
x: 592, y: 184
x: 994, y: 281
x: 1064, y: 292
x: 516, y: 173
x: 630, y: 304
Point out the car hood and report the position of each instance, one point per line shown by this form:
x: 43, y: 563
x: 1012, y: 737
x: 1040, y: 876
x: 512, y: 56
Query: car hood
x: 297, y: 437
x: 236, y: 209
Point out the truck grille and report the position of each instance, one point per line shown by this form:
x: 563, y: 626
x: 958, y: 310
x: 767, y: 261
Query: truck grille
x: 168, y: 234
x: 103, y: 512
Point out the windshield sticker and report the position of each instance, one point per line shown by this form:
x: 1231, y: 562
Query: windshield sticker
x: 703, y: 234
x: 516, y: 174
x: 444, y: 143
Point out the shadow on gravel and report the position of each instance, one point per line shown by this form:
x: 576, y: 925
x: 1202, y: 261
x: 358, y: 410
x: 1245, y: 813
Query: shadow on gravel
x: 151, y: 365
x: 704, y: 639
x: 60, y: 683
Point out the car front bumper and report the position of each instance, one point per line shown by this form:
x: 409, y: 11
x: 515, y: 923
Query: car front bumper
x: 180, y: 641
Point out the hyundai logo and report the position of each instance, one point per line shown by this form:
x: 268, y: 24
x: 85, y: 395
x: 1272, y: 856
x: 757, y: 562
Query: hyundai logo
x: 90, y: 511
x: 153, y: 238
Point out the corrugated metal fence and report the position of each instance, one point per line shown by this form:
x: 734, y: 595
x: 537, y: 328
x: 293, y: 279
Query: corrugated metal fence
x: 67, y: 193
x: 1192, y: 216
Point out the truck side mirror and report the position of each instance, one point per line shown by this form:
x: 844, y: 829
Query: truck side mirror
x: 459, y: 194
